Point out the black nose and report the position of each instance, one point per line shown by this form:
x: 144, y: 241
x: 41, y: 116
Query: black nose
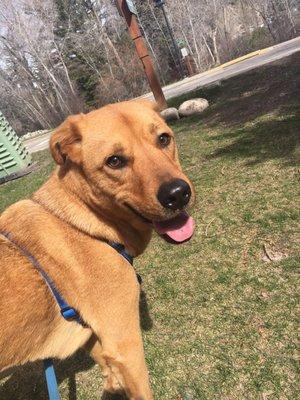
x: 174, y: 194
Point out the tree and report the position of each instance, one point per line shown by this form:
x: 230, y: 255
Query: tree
x: 60, y: 57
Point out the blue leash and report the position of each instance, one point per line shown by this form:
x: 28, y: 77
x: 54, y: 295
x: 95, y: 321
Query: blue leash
x: 51, y: 380
x: 68, y: 313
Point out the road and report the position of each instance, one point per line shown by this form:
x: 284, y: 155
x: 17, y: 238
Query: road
x: 227, y: 71
x: 186, y: 85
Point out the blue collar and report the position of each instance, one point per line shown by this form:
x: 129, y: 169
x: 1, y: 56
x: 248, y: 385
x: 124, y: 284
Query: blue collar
x: 69, y: 313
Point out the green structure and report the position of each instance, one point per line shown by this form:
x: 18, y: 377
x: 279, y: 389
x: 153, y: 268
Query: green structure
x: 14, y: 157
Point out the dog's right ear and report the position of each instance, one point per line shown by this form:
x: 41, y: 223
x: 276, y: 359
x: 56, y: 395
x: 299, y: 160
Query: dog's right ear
x: 148, y: 104
x: 65, y: 142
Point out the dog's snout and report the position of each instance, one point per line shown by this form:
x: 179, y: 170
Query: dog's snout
x: 174, y: 194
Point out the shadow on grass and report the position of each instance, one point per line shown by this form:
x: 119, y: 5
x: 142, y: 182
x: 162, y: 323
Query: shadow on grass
x: 28, y: 381
x: 251, y: 94
x: 265, y: 140
x: 145, y: 317
x: 259, y: 112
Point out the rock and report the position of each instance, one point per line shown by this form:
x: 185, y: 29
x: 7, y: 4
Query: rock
x: 170, y: 114
x: 193, y: 106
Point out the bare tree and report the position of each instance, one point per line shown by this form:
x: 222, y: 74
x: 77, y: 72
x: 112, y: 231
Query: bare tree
x: 64, y: 56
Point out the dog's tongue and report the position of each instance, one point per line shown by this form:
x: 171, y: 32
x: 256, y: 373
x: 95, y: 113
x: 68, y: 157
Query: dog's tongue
x: 179, y: 229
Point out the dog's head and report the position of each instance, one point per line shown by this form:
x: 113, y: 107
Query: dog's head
x: 128, y: 157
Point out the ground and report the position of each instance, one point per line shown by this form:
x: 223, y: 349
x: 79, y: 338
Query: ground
x: 222, y: 308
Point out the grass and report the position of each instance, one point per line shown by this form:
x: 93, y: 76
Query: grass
x: 223, y: 314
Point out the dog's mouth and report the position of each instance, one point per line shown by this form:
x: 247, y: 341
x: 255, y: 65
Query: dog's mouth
x: 176, y: 230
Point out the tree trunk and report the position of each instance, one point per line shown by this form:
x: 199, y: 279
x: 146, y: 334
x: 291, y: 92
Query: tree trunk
x: 215, y: 46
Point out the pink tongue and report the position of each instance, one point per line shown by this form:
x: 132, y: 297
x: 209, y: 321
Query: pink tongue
x: 180, y: 228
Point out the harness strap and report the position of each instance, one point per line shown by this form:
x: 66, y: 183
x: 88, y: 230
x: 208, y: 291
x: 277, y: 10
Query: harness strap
x: 121, y: 250
x: 69, y: 313
x: 51, y: 380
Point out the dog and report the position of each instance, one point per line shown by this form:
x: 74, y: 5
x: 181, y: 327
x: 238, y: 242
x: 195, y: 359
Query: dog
x: 118, y: 177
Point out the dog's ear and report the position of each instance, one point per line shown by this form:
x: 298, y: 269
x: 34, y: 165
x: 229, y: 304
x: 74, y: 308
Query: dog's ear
x: 149, y: 104
x: 65, y: 142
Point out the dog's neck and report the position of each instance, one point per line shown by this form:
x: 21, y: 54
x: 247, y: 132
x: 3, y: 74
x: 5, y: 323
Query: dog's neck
x: 70, y: 198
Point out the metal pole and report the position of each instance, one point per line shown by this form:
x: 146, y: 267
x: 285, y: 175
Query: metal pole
x: 142, y: 51
x: 177, y: 51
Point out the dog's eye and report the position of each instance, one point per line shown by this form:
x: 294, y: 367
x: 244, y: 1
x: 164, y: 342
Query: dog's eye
x: 164, y: 139
x: 116, y: 162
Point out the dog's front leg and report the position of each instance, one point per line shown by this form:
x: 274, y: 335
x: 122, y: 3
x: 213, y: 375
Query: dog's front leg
x: 125, y: 357
x: 112, y: 382
x: 116, y: 324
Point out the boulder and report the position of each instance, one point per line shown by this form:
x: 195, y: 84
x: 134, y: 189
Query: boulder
x: 170, y: 114
x: 193, y: 106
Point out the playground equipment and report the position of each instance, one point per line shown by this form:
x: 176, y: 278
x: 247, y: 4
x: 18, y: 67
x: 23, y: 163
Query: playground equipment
x: 14, y: 157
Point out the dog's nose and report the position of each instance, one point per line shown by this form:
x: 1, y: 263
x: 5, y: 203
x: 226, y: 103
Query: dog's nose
x: 174, y: 194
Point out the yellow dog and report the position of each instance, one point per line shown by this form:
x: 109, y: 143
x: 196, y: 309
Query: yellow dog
x: 118, y: 177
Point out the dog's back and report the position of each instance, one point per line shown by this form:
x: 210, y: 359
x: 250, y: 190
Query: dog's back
x: 30, y: 326
x: 19, y: 282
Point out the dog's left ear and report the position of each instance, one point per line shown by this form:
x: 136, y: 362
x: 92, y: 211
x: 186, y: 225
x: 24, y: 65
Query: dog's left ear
x: 65, y: 142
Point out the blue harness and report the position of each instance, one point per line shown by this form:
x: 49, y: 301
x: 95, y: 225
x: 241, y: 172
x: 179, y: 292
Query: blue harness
x: 69, y: 313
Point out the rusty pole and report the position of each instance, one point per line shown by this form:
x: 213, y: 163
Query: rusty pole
x: 142, y: 51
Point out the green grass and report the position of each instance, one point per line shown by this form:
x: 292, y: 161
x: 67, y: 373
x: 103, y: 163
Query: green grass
x: 13, y: 191
x: 223, y: 318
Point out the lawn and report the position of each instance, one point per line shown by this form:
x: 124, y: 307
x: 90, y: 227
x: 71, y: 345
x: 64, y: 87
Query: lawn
x: 221, y: 321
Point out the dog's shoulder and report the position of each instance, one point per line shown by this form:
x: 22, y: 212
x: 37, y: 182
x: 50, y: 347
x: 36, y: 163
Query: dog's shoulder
x: 24, y: 211
x: 22, y: 215
x: 48, y: 237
